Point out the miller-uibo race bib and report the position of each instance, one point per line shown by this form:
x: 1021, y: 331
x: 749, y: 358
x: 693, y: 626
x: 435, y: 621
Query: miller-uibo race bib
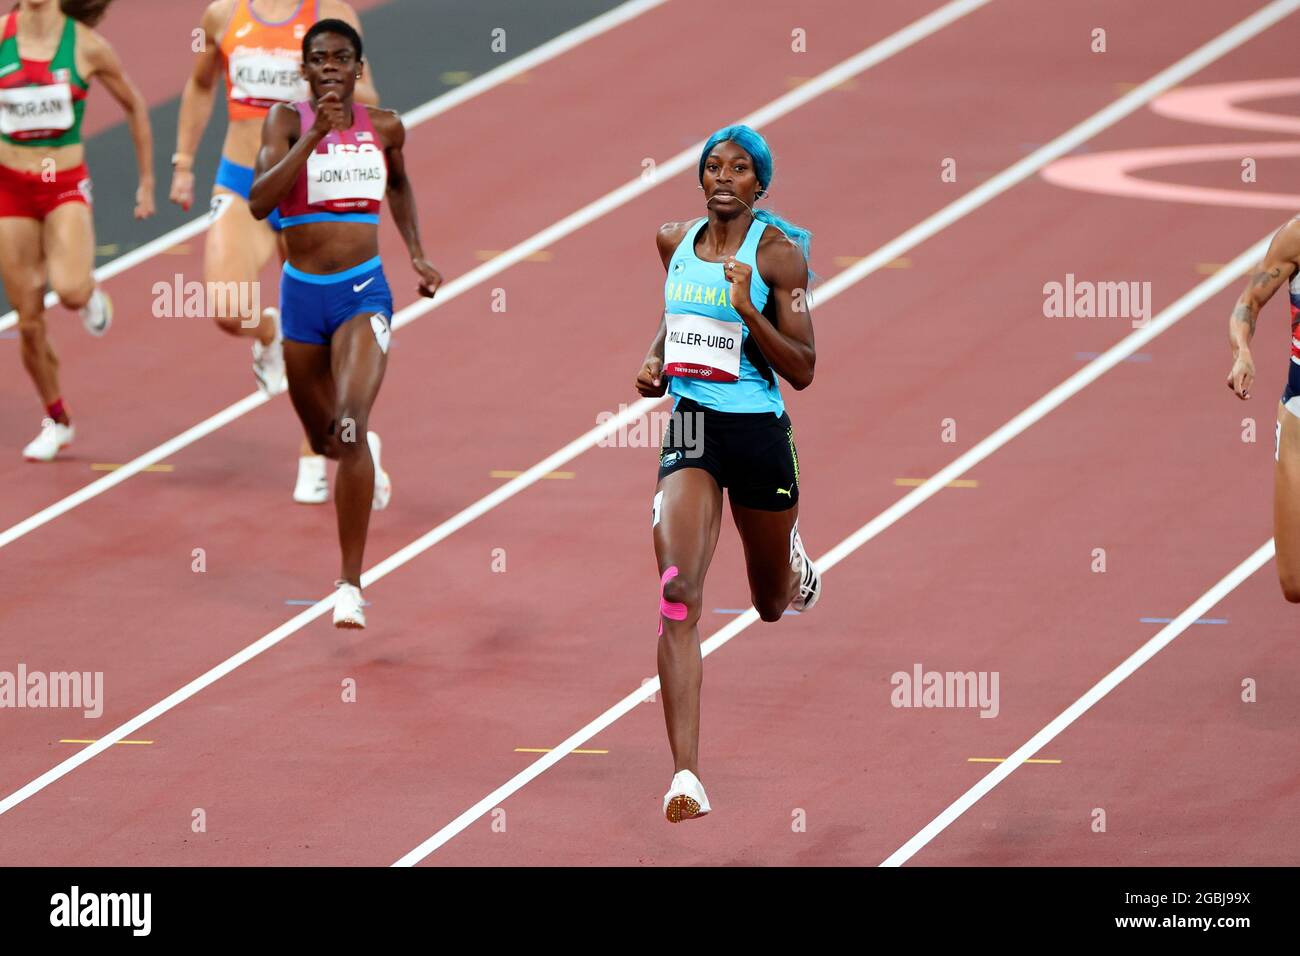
x: 35, y: 112
x: 347, y: 175
x: 259, y: 78
x: 697, y: 346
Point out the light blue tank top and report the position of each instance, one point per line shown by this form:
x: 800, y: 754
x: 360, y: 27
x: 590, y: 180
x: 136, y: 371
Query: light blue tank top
x: 696, y: 287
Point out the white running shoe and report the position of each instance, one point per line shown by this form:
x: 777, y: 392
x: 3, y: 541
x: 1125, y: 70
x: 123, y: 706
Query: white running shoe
x: 810, y: 581
x: 268, y: 360
x: 383, y: 484
x: 313, y: 487
x: 347, y: 606
x: 46, y: 445
x: 97, y: 314
x: 685, y: 798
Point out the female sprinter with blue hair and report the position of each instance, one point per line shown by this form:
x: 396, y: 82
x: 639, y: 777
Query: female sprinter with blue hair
x: 735, y: 316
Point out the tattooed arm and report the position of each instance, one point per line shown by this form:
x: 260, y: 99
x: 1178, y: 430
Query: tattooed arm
x: 1280, y: 263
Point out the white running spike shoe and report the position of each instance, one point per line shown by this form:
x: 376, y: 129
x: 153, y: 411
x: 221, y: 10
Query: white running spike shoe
x: 685, y: 799
x: 97, y: 313
x: 810, y: 581
x: 47, y: 444
x: 313, y: 487
x: 383, y: 484
x: 268, y: 360
x: 347, y: 606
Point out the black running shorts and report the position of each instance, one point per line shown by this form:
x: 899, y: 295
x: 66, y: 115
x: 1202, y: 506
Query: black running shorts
x: 750, y: 454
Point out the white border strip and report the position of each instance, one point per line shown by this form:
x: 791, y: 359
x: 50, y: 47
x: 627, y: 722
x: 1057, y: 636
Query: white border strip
x: 1076, y: 710
x: 421, y: 114
x: 686, y: 159
x: 394, y: 561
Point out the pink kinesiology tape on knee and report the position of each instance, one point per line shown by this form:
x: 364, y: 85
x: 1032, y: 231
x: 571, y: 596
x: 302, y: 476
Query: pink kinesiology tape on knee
x: 669, y: 609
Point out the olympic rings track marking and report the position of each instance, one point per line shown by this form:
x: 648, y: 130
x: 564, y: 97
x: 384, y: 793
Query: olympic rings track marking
x: 872, y: 55
x: 1124, y: 106
x: 1166, y: 635
x: 421, y: 114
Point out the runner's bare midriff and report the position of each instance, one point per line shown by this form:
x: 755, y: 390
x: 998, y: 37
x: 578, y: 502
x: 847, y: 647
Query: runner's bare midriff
x: 325, y: 247
x: 243, y: 140
x: 29, y: 160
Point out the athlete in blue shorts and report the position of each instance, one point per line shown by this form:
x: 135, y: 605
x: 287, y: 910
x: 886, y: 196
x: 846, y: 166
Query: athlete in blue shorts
x: 254, y: 48
x: 327, y: 164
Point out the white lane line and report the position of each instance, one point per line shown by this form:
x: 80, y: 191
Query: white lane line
x: 325, y: 605
x: 1076, y: 710
x: 533, y: 58
x: 133, y: 258
x: 421, y: 114
x: 582, y: 443
x: 686, y: 159
x: 137, y: 465
x: 1193, y: 63
x: 909, y: 502
x: 1058, y: 396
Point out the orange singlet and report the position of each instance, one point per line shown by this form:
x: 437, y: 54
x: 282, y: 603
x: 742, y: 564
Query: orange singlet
x: 263, y: 60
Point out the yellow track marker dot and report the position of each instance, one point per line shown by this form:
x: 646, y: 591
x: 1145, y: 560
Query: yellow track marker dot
x: 107, y: 249
x: 546, y: 750
x: 902, y: 262
x: 106, y: 466
x: 69, y: 741
x: 541, y: 255
x: 180, y: 249
x: 497, y: 473
x: 456, y: 77
x: 916, y: 482
x: 1122, y: 88
x: 1004, y: 760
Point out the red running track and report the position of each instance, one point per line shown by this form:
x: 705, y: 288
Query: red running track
x: 463, y: 665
